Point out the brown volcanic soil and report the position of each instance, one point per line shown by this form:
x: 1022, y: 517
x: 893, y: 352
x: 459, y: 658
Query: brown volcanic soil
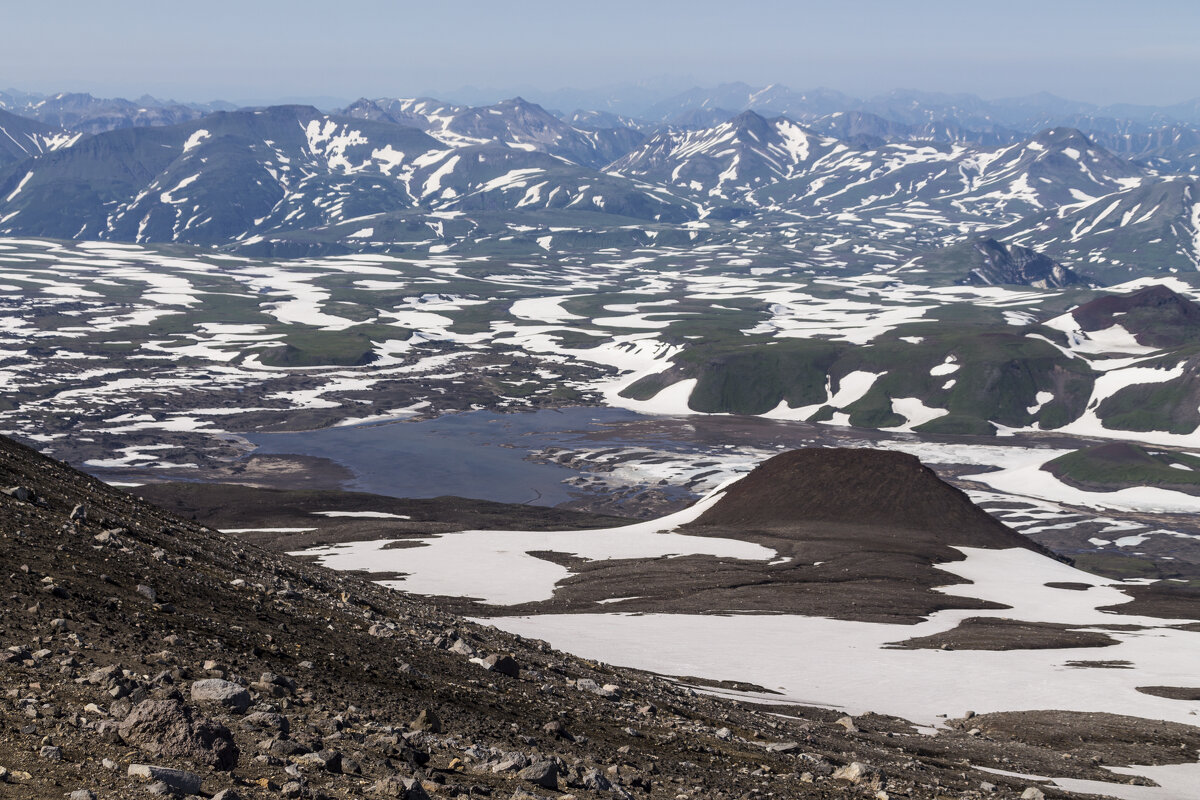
x: 870, y: 560
x: 130, y: 586
x: 893, y: 492
x: 1157, y: 316
x: 985, y: 633
x: 1188, y: 693
x: 230, y: 506
x: 858, y: 533
x: 1109, y: 736
x: 1162, y: 599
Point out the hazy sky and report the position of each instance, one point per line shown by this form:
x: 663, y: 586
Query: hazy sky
x: 262, y: 50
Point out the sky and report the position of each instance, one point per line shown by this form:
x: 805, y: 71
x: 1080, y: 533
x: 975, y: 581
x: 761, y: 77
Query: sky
x: 258, y: 51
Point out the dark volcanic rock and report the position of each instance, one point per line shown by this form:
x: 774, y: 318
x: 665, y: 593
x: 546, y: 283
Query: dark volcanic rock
x: 179, y: 780
x: 1014, y: 264
x: 892, y: 492
x: 859, y: 535
x: 984, y: 633
x: 221, y: 692
x: 505, y: 665
x: 541, y: 773
x: 166, y: 728
x: 1157, y: 316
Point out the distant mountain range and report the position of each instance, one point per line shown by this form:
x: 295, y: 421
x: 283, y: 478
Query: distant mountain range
x: 903, y: 179
x: 647, y: 107
x: 84, y: 113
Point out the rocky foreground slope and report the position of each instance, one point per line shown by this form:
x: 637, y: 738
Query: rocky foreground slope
x: 141, y: 653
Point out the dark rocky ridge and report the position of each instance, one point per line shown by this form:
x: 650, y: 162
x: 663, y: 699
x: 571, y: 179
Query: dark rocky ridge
x: 21, y: 138
x: 1014, y: 264
x: 1157, y: 316
x: 882, y: 488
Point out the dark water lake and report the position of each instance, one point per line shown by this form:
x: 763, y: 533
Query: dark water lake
x: 478, y: 454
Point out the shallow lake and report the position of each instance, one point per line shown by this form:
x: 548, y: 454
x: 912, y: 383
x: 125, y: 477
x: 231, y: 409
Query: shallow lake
x: 478, y: 454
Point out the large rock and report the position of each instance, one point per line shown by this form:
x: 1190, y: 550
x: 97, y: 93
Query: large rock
x: 166, y: 728
x: 398, y: 787
x: 541, y: 773
x: 267, y: 721
x: 427, y: 720
x: 180, y: 780
x: 221, y: 692
x: 505, y: 665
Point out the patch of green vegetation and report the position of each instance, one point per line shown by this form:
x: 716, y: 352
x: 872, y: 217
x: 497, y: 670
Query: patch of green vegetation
x: 1002, y: 374
x: 998, y: 376
x: 958, y: 424
x: 967, y: 313
x: 355, y: 311
x: 312, y: 348
x: 649, y: 386
x: 575, y: 340
x: 566, y: 393
x: 478, y: 318
x: 713, y: 326
x: 874, y: 410
x: 755, y: 380
x: 1172, y: 406
x: 1116, y: 566
x: 823, y: 414
x: 594, y: 305
x: 1119, y: 465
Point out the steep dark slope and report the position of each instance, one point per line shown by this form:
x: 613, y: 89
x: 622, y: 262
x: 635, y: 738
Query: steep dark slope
x: 1157, y: 316
x: 890, y: 491
x: 155, y: 597
x: 138, y: 646
x: 21, y: 137
x: 989, y: 261
x: 1013, y: 264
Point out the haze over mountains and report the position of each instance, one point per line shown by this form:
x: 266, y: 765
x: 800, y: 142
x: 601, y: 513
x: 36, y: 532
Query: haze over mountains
x: 886, y: 180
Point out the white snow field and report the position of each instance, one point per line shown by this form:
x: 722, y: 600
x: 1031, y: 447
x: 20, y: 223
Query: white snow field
x: 841, y: 664
x: 495, y: 567
x: 810, y: 659
x: 107, y: 292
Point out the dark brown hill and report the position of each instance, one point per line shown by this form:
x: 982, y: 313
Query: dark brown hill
x: 893, y: 492
x: 1157, y: 316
